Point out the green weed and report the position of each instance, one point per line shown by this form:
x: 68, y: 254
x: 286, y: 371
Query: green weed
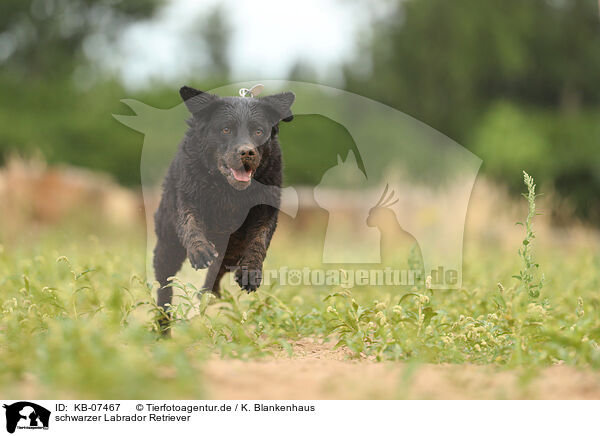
x: 79, y: 322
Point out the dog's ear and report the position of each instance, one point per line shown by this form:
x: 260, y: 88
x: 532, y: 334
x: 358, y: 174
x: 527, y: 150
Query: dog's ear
x: 195, y: 100
x: 280, y: 106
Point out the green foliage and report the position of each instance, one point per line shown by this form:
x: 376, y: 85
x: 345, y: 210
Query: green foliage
x: 311, y: 145
x: 444, y: 62
x: 79, y: 322
x: 65, y: 125
x: 44, y: 39
x: 488, y: 74
x: 69, y: 328
x: 507, y: 139
x: 560, y: 149
x: 528, y: 274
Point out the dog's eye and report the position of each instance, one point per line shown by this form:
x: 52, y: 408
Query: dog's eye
x: 259, y: 132
x: 226, y: 130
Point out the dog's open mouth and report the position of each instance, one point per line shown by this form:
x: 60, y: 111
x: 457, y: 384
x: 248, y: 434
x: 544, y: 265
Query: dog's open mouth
x: 242, y: 174
x: 239, y: 174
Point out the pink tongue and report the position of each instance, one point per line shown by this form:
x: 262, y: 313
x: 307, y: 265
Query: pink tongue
x: 241, y: 175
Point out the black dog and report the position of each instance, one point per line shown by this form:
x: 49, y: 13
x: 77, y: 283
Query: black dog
x: 221, y: 193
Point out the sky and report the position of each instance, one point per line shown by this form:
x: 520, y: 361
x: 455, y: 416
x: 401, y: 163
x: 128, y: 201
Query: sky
x: 268, y: 38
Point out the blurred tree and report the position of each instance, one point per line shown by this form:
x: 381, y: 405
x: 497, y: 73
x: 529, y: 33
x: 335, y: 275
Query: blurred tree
x: 302, y: 71
x: 516, y: 81
x: 42, y: 44
x: 45, y: 38
x: 443, y: 62
x: 214, y: 31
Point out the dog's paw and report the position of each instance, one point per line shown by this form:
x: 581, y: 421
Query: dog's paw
x: 202, y: 255
x: 249, y: 279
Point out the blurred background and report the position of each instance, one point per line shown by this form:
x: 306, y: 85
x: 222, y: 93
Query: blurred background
x: 515, y: 82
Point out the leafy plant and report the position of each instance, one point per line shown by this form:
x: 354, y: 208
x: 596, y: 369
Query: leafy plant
x: 528, y: 276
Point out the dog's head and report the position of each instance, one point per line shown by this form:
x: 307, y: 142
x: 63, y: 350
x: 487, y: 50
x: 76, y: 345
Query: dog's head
x: 235, y: 130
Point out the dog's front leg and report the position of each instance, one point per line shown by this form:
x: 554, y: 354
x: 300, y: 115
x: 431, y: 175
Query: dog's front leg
x: 262, y: 222
x: 192, y: 234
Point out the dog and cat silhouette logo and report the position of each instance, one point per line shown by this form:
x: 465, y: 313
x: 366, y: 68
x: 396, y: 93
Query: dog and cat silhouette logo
x: 394, y: 190
x: 26, y: 415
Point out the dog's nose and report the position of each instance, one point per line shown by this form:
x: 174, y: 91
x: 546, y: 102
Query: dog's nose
x: 247, y: 151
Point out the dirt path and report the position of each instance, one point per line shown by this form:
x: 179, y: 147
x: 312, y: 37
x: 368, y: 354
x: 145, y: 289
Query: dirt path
x: 317, y: 371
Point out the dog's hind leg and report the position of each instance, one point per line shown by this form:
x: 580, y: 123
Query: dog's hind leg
x: 213, y: 277
x: 169, y: 254
x: 217, y: 269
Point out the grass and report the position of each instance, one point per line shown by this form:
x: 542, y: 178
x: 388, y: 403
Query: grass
x: 77, y: 318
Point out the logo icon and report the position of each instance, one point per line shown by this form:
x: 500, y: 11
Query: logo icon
x: 26, y: 415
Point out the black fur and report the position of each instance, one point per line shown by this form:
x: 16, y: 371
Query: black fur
x: 221, y: 193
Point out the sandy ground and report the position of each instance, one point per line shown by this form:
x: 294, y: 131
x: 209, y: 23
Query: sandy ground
x: 317, y: 371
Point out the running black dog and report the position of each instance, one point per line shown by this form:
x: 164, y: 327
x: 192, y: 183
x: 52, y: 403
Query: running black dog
x: 221, y: 194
